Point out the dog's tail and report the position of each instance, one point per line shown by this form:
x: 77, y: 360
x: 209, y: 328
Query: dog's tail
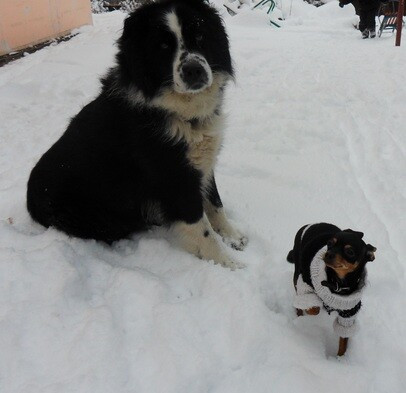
x: 290, y: 258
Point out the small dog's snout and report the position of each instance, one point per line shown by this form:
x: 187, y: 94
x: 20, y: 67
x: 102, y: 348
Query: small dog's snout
x: 194, y: 74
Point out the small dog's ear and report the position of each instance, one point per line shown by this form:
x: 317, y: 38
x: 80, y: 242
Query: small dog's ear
x: 359, y: 234
x: 370, y: 252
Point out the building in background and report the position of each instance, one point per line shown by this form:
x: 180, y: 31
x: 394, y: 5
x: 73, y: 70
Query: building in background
x: 28, y: 22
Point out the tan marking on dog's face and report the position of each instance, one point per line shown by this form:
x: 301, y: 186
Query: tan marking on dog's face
x: 341, y: 266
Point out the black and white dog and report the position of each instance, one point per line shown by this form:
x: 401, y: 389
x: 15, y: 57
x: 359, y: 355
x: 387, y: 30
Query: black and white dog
x: 143, y: 152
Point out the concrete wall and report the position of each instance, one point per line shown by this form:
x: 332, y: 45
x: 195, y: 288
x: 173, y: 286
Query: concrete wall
x: 29, y: 22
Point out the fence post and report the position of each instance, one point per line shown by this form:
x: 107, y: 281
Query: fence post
x: 399, y: 22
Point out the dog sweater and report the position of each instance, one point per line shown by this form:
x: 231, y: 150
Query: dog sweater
x: 319, y: 295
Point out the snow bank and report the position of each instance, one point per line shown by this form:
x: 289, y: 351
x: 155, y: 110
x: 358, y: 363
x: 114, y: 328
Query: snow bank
x: 315, y: 132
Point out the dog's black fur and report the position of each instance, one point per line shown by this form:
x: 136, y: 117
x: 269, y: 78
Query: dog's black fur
x: 338, y: 243
x: 116, y: 170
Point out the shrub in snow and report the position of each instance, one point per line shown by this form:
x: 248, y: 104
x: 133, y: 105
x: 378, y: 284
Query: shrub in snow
x: 98, y: 6
x: 316, y: 3
x: 131, y: 5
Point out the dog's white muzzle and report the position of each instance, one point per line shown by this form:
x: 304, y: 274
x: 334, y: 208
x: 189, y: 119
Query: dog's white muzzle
x: 191, y: 73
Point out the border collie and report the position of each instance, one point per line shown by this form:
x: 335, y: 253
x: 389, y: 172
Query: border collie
x: 143, y: 152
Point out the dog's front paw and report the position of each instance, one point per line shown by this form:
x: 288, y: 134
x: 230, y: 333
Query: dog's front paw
x: 234, y: 265
x: 227, y: 262
x: 238, y: 242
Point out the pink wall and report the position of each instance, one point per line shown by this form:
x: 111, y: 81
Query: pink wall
x: 28, y: 22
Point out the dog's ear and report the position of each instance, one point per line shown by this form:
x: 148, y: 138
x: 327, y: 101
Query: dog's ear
x: 137, y: 22
x: 359, y: 234
x: 370, y: 252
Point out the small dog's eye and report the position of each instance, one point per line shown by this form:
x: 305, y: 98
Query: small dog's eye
x: 199, y: 37
x: 164, y: 45
x: 350, y: 252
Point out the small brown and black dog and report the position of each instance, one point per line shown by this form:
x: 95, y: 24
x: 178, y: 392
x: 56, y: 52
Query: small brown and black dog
x: 330, y: 272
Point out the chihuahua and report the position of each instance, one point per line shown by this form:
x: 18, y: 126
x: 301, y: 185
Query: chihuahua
x: 330, y: 272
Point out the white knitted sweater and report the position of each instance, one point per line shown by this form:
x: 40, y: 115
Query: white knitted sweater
x: 307, y: 297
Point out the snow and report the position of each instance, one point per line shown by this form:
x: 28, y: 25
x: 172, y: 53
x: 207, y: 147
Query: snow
x: 315, y: 132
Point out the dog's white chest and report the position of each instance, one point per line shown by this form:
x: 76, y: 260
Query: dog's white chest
x: 203, y: 142
x: 203, y: 152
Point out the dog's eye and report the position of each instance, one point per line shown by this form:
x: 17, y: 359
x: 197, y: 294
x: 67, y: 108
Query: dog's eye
x: 349, y: 252
x: 199, y: 38
x: 164, y: 45
x: 331, y: 243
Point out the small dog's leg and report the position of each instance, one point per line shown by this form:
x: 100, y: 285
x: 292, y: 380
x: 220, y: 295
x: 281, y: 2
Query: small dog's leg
x: 342, y: 346
x: 200, y: 240
x: 313, y: 311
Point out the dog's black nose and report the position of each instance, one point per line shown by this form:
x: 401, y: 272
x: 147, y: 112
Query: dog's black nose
x: 329, y: 256
x: 194, y: 75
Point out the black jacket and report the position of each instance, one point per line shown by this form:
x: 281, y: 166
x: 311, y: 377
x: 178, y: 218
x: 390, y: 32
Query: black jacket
x: 363, y: 5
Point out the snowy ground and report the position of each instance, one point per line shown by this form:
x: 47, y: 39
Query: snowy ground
x: 316, y: 132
